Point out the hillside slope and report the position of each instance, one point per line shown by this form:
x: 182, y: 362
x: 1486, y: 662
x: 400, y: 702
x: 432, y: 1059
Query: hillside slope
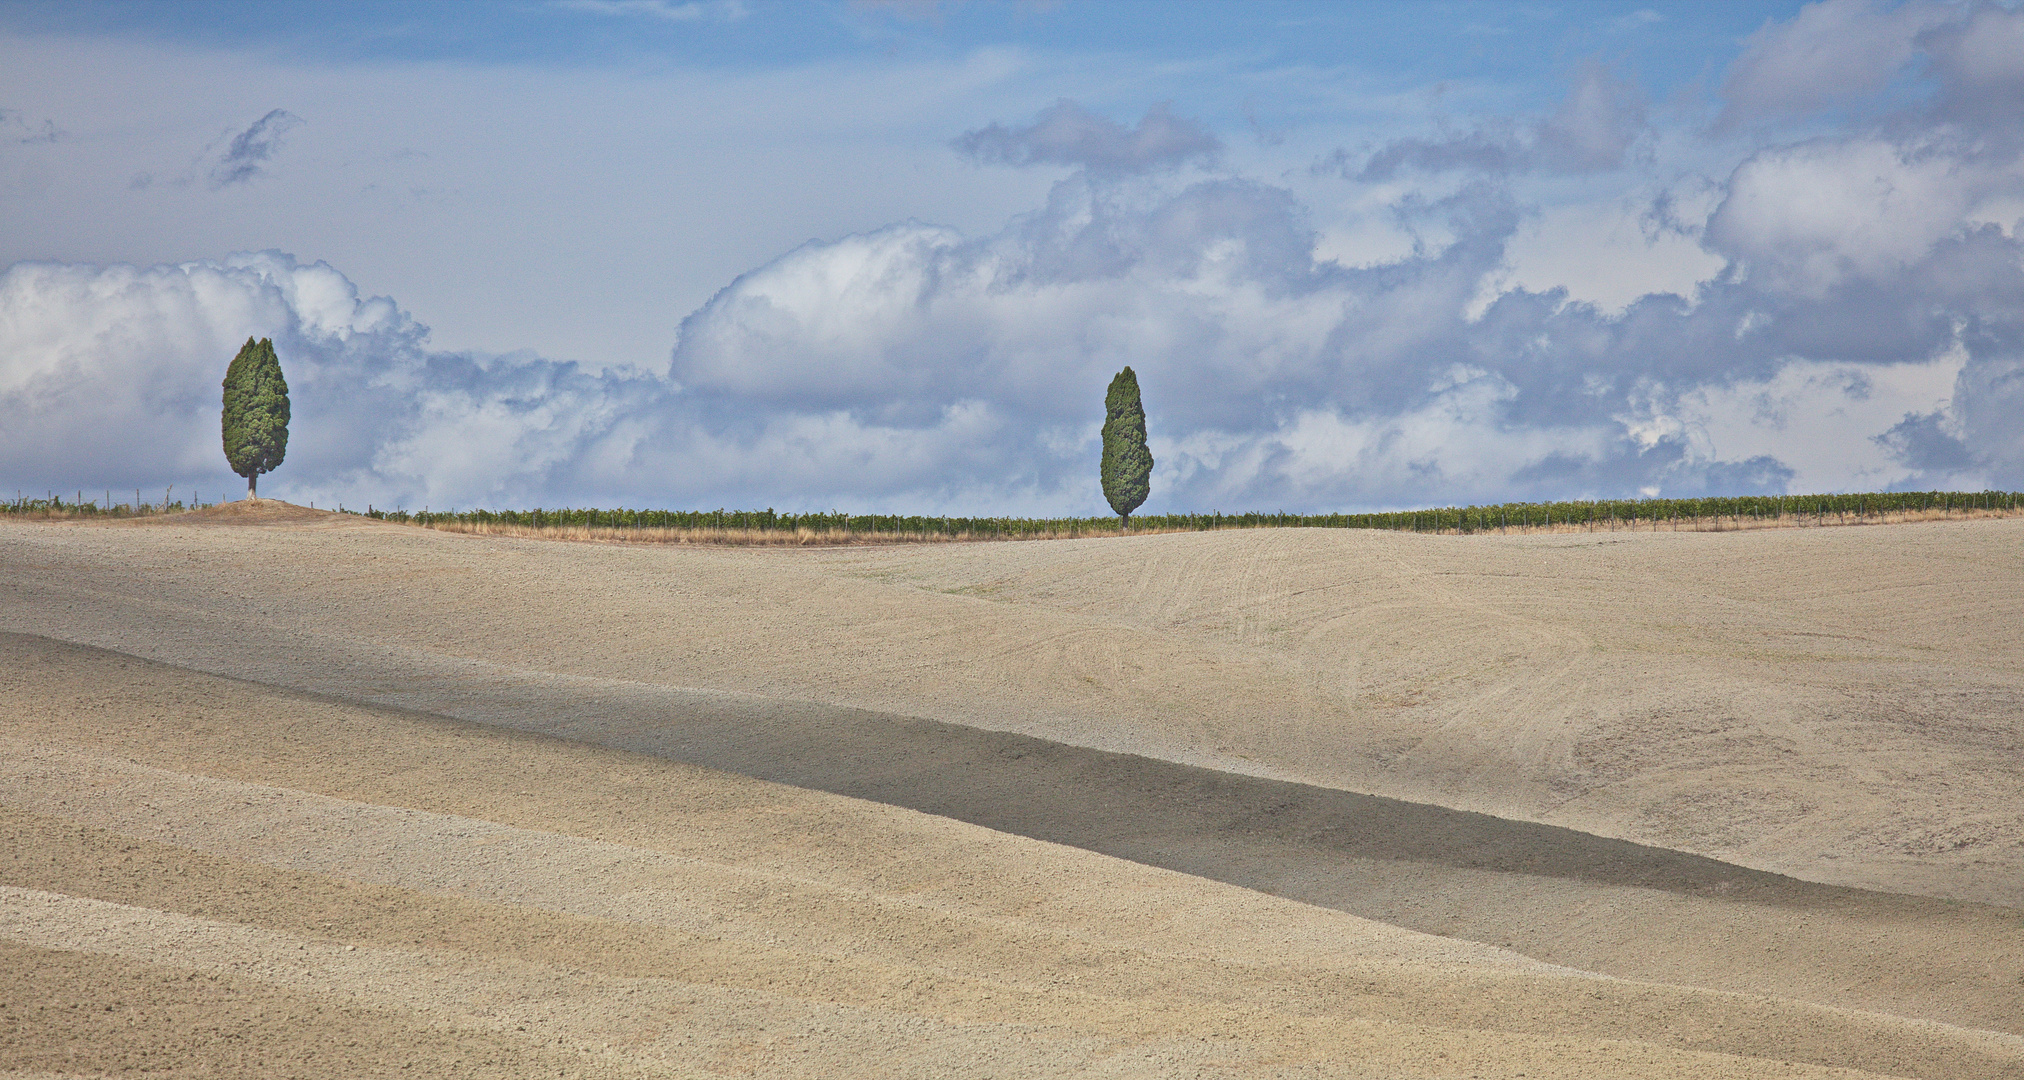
x: 206, y: 877
x: 1783, y: 763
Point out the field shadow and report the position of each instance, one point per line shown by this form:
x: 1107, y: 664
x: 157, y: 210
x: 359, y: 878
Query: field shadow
x: 1568, y: 897
x: 1209, y: 823
x: 1321, y: 845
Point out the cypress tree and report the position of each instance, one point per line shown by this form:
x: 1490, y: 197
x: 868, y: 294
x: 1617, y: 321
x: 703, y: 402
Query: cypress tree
x: 1127, y: 464
x: 255, y: 419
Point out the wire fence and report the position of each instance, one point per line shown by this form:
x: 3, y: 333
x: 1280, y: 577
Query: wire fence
x: 114, y: 504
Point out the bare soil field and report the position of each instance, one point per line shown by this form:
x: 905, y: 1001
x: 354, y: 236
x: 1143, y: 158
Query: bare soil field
x: 293, y: 794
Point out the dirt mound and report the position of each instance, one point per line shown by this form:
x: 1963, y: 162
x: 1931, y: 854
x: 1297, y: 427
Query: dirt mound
x: 256, y: 512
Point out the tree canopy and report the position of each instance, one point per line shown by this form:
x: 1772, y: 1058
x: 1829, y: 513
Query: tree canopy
x: 1127, y: 464
x: 255, y: 418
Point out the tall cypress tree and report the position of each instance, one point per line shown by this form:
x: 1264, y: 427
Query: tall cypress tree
x: 1127, y: 464
x: 256, y: 413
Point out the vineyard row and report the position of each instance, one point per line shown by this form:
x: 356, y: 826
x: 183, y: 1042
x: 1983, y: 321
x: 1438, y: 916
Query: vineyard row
x: 1586, y: 514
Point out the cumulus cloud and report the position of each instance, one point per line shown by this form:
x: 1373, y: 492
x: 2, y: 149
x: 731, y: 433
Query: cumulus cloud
x: 1594, y: 129
x: 915, y: 368
x: 1818, y: 213
x: 110, y: 376
x: 1277, y: 376
x: 1839, y: 53
x: 1596, y: 125
x: 1476, y: 150
x: 1830, y: 52
x: 1067, y: 134
x: 1861, y: 325
x: 1979, y: 60
x: 1274, y: 377
x: 1908, y: 226
x: 1989, y: 396
x: 1923, y: 441
x: 247, y: 153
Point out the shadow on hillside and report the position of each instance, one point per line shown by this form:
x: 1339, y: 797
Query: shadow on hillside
x: 1320, y: 845
x: 1245, y: 830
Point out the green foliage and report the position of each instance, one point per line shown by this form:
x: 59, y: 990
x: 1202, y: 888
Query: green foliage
x: 255, y: 418
x: 1127, y: 464
x: 1802, y: 510
x: 57, y: 507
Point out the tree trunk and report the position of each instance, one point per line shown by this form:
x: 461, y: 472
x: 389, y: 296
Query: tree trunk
x: 252, y: 486
x: 1124, y: 522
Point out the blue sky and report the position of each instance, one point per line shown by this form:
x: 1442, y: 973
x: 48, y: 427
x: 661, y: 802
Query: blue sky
x: 888, y: 255
x: 1412, y: 42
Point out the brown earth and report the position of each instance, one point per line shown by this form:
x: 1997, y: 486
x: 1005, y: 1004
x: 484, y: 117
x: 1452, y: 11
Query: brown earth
x: 253, y: 512
x: 328, y: 797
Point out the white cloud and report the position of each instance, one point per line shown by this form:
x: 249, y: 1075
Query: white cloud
x: 599, y: 206
x: 1830, y: 52
x: 915, y: 368
x: 1816, y: 213
x: 1274, y: 377
x: 111, y: 377
x: 1985, y: 50
x: 1596, y: 128
x: 1068, y: 134
x: 1456, y: 442
x: 1597, y: 124
x: 1819, y: 419
x: 1843, y: 310
x: 1606, y: 254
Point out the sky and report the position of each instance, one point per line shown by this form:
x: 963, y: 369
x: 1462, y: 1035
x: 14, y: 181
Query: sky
x: 886, y: 257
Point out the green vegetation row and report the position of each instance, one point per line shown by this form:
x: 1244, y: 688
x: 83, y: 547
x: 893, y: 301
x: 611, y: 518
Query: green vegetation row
x: 54, y: 505
x: 1619, y: 513
x: 1633, y: 513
